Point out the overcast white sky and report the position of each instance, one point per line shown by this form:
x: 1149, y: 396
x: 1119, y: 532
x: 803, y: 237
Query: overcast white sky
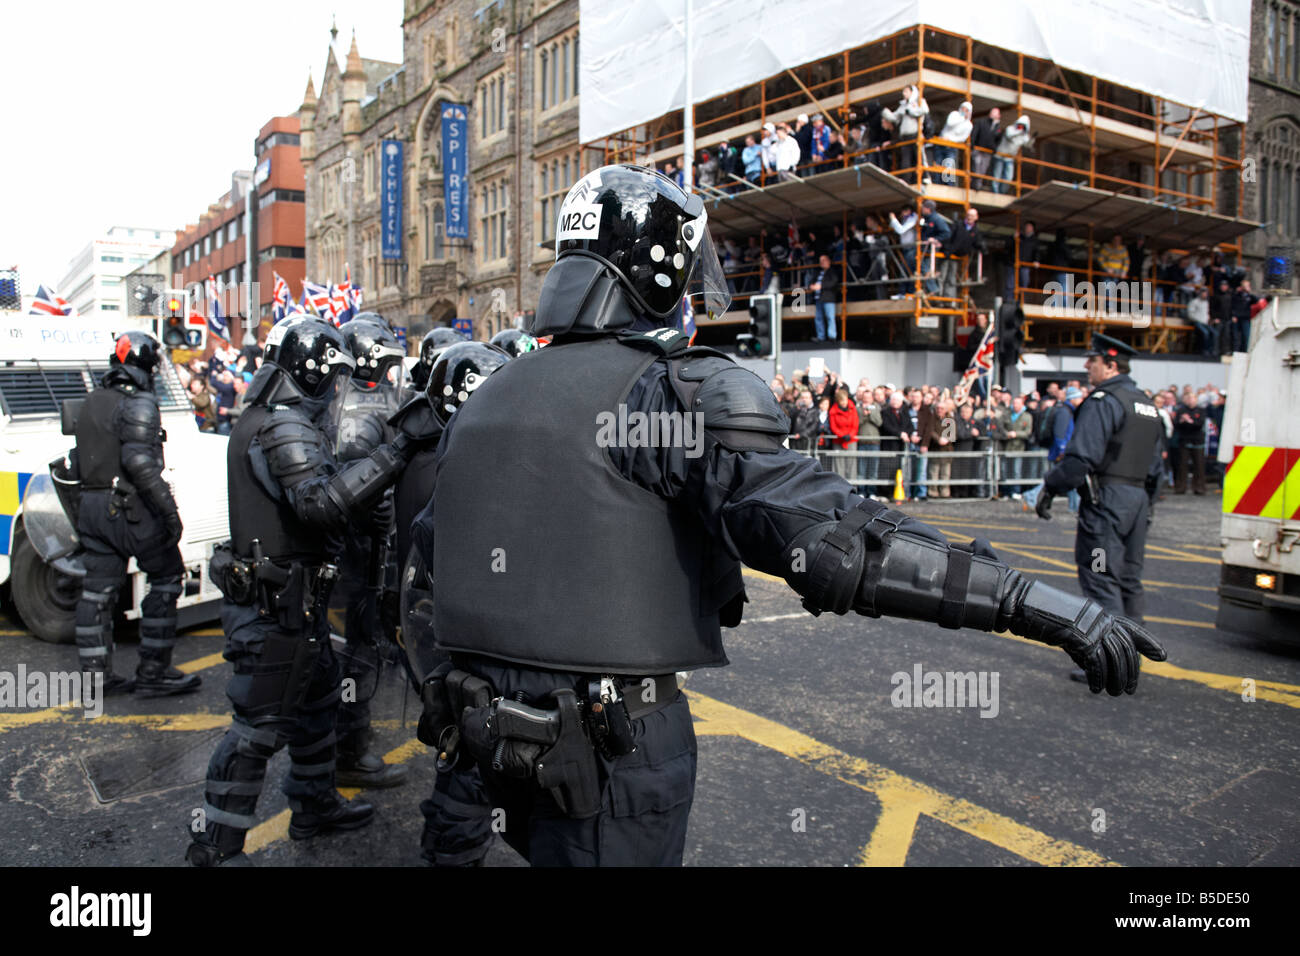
x: 135, y: 113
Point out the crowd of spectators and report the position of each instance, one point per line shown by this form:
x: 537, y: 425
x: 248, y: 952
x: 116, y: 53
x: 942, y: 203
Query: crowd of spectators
x: 216, y: 387
x: 1216, y: 299
x: 871, y: 132
x: 926, y: 436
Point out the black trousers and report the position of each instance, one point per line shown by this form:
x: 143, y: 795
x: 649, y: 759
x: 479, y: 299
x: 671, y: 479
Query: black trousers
x: 457, y: 819
x: 262, y: 726
x: 1109, y: 548
x: 1190, y: 458
x: 645, y: 796
x: 109, y: 538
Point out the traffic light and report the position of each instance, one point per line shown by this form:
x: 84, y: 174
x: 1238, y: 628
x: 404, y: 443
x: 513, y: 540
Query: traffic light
x: 757, y: 341
x: 1011, y: 333
x: 171, y: 323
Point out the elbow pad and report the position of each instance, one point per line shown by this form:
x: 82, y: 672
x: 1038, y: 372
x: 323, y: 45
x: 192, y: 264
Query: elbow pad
x: 867, y: 564
x: 913, y: 577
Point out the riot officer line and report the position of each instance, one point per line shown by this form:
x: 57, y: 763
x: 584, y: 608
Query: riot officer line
x: 548, y: 662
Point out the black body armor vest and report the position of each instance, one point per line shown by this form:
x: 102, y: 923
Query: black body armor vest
x: 1130, y: 449
x: 99, y: 449
x: 544, y: 554
x: 254, y: 513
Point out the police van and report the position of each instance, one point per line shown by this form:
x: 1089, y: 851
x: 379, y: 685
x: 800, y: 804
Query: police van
x: 1259, y: 585
x: 45, y: 360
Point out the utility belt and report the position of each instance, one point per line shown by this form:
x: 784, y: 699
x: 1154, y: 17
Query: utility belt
x: 123, y: 499
x: 1090, y: 491
x: 296, y: 595
x: 469, y: 723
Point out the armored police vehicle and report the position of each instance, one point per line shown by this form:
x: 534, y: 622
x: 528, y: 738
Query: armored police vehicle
x: 45, y: 360
x: 1259, y: 585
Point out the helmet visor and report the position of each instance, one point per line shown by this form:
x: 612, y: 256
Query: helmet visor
x: 708, y: 285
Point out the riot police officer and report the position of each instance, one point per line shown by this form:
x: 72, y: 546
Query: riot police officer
x: 289, y: 502
x: 567, y: 622
x: 457, y: 815
x: 127, y: 509
x: 431, y: 345
x: 1113, y: 457
x: 362, y: 406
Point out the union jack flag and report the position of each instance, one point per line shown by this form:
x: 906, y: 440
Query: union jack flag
x: 46, y: 302
x: 316, y: 298
x: 283, y: 300
x: 981, y: 363
x: 217, y: 324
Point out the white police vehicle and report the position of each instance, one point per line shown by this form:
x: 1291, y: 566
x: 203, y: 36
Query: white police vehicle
x: 43, y: 361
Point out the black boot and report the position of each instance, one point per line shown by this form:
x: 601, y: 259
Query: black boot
x: 154, y: 677
x: 343, y: 815
x: 201, y: 854
x: 358, y: 766
x: 114, y: 684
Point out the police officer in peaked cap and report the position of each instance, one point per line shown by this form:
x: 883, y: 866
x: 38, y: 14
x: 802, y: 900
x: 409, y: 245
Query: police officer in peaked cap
x: 1113, y: 459
x: 568, y: 621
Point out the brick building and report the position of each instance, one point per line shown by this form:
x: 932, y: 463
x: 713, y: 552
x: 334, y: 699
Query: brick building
x: 519, y: 78
x: 263, y: 210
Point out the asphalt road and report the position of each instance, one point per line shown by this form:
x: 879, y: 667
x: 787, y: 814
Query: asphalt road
x: 806, y: 755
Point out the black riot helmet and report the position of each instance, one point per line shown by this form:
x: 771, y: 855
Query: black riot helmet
x: 653, y: 235
x: 136, y: 350
x: 435, y: 341
x: 374, y: 347
x: 310, y: 351
x: 514, y: 341
x: 372, y: 317
x: 458, y: 372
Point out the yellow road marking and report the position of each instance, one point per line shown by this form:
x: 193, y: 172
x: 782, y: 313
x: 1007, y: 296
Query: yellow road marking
x: 1208, y: 607
x: 750, y: 572
x: 957, y: 522
x: 1038, y: 557
x: 202, y: 663
x: 1182, y: 622
x: 1273, y: 691
x: 902, y: 799
x: 1173, y: 554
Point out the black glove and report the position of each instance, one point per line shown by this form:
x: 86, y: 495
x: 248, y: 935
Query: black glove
x: 380, y: 520
x: 1106, y: 646
x: 417, y: 427
x: 1044, y: 504
x: 518, y: 757
x: 173, y: 526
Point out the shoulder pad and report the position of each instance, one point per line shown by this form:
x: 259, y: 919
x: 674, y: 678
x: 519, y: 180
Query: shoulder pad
x: 663, y: 341
x: 290, y: 443
x: 740, y: 412
x: 140, y: 418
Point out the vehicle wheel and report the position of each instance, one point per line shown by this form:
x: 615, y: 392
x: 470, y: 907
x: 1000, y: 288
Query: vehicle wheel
x: 45, y: 598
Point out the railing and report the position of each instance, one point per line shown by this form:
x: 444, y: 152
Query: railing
x: 985, y: 472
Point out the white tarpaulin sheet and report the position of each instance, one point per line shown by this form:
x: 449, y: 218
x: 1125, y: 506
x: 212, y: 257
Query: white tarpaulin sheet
x: 632, y: 65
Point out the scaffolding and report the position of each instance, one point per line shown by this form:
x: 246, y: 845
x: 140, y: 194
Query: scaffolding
x: 1103, y: 158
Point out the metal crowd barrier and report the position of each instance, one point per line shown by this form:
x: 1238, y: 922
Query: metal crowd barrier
x: 987, y: 472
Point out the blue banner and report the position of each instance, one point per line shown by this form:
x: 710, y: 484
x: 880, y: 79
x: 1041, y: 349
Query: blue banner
x: 464, y: 326
x: 455, y: 164
x: 391, y: 199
